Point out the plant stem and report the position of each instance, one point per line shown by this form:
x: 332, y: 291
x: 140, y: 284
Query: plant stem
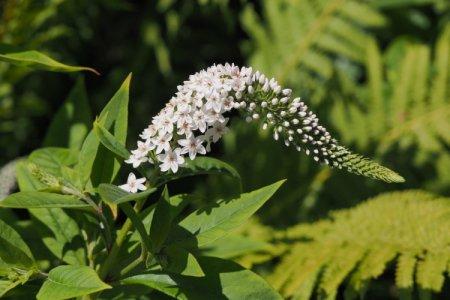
x: 121, y: 235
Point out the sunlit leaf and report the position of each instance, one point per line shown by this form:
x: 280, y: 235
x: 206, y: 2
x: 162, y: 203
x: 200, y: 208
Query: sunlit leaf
x: 215, y: 221
x: 36, y: 60
x: 66, y: 282
x: 41, y: 200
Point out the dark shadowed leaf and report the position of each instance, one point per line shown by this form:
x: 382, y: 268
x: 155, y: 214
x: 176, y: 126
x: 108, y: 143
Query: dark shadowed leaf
x: 180, y: 261
x: 215, y: 221
x: 64, y: 239
x: 201, y: 166
x: 223, y: 280
x: 13, y: 250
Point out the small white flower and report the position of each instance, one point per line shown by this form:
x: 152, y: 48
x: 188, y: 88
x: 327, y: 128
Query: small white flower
x: 143, y: 148
x: 170, y: 160
x: 216, y: 132
x: 133, y: 184
x: 136, y: 160
x: 192, y: 145
x: 163, y: 142
x: 148, y: 132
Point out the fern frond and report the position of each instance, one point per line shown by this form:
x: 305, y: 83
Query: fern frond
x: 416, y: 110
x: 430, y: 271
x: 300, y: 30
x: 404, y: 273
x: 356, y: 245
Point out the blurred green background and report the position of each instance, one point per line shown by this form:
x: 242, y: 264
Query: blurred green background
x: 376, y: 72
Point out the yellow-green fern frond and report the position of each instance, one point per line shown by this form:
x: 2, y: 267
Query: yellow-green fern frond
x: 355, y: 246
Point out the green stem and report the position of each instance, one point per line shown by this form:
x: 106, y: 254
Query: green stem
x: 121, y: 235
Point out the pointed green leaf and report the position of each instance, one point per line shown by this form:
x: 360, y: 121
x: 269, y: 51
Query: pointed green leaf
x: 13, y: 250
x: 71, y: 123
x: 38, y: 61
x: 110, y: 142
x: 202, y: 165
x: 7, y: 285
x: 208, y: 224
x: 52, y: 159
x: 223, y: 280
x: 114, y: 195
x: 41, y: 200
x: 180, y: 261
x: 66, y: 282
x: 25, y: 180
x: 96, y: 163
x: 162, y: 221
x: 64, y: 240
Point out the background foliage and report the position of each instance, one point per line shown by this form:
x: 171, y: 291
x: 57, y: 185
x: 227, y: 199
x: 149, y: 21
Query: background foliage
x: 376, y: 72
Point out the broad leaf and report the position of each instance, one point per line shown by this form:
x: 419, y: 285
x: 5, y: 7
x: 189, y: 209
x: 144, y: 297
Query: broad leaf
x: 96, y: 163
x: 41, y: 200
x: 37, y: 60
x: 223, y: 280
x: 25, y: 180
x: 178, y: 203
x: 7, y: 285
x: 112, y: 194
x: 64, y: 240
x: 13, y: 250
x: 162, y: 221
x: 233, y: 245
x: 52, y: 159
x: 215, y: 221
x: 71, y: 123
x: 110, y: 142
x: 202, y: 165
x: 66, y: 282
x: 180, y: 261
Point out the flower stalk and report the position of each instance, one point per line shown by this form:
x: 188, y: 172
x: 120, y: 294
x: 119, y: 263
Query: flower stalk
x: 195, y: 118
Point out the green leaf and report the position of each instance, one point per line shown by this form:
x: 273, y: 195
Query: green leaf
x: 96, y: 163
x: 162, y: 221
x: 25, y: 180
x: 233, y: 245
x: 7, y: 285
x: 41, y: 200
x: 200, y: 166
x: 64, y: 240
x: 52, y: 159
x: 38, y: 61
x: 137, y: 223
x: 114, y: 195
x: 223, y: 280
x: 71, y: 123
x: 66, y: 282
x: 180, y: 261
x: 110, y: 142
x: 13, y: 250
x: 215, y: 221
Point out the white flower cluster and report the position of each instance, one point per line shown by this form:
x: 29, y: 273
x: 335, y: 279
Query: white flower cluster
x: 195, y: 118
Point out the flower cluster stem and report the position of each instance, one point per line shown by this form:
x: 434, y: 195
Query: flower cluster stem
x: 121, y: 235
